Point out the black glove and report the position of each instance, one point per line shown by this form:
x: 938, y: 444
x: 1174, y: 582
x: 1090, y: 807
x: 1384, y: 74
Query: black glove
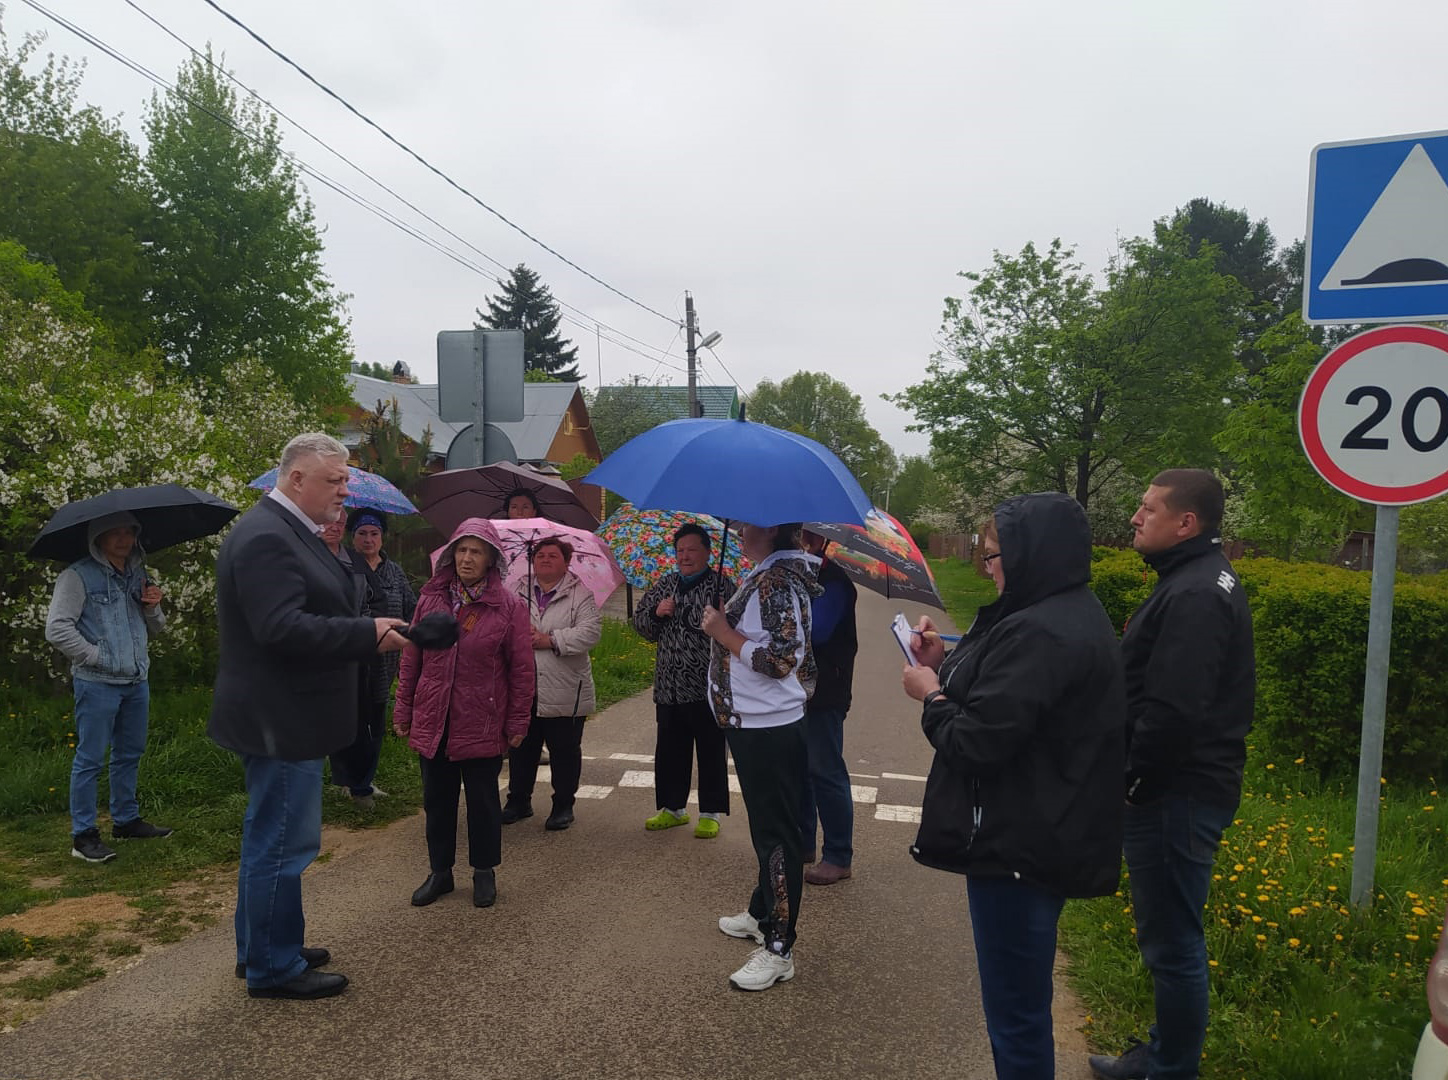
x: 437, y: 630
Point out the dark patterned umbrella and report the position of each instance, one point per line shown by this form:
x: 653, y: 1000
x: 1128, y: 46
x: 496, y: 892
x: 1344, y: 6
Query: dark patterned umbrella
x: 882, y: 556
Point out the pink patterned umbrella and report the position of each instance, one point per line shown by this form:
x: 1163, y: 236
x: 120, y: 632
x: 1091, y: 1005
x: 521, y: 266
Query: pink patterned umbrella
x: 592, y: 561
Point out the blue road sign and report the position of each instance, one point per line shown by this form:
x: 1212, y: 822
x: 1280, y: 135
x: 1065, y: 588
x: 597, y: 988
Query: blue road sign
x: 1377, y: 231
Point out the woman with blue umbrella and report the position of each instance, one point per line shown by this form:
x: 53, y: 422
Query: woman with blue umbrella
x: 761, y: 674
x: 762, y: 668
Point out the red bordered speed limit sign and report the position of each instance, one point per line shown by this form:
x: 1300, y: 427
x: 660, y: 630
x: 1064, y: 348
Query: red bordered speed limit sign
x: 1374, y: 415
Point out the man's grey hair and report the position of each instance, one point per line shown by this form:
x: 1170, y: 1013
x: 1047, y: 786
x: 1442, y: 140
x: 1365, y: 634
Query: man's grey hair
x: 312, y: 444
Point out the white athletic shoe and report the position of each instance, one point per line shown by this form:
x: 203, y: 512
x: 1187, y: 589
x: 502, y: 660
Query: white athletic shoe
x: 762, y: 970
x: 743, y: 925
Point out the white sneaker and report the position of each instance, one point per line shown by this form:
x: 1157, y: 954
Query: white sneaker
x: 743, y: 925
x: 762, y: 970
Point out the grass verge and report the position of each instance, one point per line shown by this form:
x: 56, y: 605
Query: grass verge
x: 1303, y: 985
x: 185, y: 782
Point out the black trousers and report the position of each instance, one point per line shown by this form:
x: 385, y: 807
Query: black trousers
x: 564, y: 736
x: 355, y: 766
x: 687, y: 731
x: 771, y: 763
x: 441, y: 780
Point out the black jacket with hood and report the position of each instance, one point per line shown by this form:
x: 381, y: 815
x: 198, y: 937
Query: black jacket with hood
x: 1191, y: 679
x: 1030, y: 735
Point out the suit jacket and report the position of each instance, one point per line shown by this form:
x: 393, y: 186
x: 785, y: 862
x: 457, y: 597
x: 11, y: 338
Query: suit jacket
x: 291, y: 638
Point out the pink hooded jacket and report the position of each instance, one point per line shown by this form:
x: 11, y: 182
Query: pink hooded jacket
x: 481, y: 688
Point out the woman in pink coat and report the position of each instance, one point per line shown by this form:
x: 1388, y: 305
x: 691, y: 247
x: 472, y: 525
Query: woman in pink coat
x: 462, y: 708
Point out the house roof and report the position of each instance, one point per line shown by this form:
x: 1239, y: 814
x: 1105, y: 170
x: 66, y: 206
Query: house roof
x: 544, y: 407
x: 720, y: 402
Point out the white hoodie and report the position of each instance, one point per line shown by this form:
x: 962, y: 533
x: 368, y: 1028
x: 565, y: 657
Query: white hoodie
x: 770, y: 682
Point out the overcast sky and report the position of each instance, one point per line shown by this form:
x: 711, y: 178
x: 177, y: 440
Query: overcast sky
x: 816, y: 174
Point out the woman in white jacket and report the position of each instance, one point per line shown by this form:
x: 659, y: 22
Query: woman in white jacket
x: 566, y: 626
x: 761, y: 674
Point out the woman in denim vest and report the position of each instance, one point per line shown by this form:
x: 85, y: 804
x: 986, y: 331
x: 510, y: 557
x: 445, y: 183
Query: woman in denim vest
x: 102, y: 615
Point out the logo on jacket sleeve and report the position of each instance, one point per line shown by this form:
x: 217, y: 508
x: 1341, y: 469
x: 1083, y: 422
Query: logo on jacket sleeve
x: 1226, y: 581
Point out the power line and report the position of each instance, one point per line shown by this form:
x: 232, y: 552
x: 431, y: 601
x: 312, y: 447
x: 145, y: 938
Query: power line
x: 590, y: 320
x: 422, y: 160
x: 659, y: 356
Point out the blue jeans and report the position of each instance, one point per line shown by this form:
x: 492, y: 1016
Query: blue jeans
x: 1014, y: 924
x: 826, y: 799
x: 107, y: 716
x: 280, y: 836
x: 1169, y: 847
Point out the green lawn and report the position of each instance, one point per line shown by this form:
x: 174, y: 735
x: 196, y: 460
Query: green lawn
x: 1304, y: 987
x: 186, y: 782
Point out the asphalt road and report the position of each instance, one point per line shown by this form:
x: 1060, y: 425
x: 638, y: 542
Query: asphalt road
x: 602, y: 957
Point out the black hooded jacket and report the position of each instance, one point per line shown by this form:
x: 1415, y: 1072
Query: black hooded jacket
x: 1191, y: 678
x: 1030, y: 735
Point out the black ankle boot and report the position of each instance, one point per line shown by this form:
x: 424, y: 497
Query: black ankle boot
x: 517, y: 811
x: 485, y: 888
x: 438, y: 883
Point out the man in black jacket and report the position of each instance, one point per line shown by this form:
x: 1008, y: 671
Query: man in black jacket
x: 1191, y: 685
x: 827, y: 801
x: 286, y: 696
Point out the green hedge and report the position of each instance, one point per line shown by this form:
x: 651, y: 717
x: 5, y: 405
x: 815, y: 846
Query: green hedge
x: 1310, y: 624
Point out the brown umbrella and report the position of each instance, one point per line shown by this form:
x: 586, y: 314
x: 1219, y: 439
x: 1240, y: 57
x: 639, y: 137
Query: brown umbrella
x: 448, y: 498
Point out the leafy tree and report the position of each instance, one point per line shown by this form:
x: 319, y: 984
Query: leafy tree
x: 71, y: 189
x: 618, y: 413
x: 526, y: 304
x: 1276, y: 499
x: 372, y: 370
x: 79, y: 416
x: 1048, y: 382
x: 820, y: 406
x: 1242, y: 249
x: 237, y: 264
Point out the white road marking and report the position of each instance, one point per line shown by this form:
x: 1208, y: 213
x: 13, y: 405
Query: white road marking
x: 647, y: 759
x: 887, y: 812
x: 593, y: 791
x: 902, y: 776
x: 862, y: 794
x: 637, y: 778
x: 865, y: 775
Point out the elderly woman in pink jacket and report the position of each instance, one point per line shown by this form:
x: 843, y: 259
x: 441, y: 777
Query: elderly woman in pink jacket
x: 462, y: 708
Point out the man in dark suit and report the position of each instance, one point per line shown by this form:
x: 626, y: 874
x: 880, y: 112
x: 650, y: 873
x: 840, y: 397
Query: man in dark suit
x: 286, y: 697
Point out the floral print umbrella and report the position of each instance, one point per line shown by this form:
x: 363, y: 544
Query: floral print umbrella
x: 643, y: 543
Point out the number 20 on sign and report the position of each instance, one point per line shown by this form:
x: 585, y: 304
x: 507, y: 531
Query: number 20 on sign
x: 1374, y: 415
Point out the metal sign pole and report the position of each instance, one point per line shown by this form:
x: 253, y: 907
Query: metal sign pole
x: 480, y: 418
x: 1375, y: 702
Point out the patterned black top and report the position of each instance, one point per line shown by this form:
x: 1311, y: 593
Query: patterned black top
x: 681, y: 670
x: 390, y: 595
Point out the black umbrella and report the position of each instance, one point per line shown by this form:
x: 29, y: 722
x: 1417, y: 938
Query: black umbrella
x: 169, y: 514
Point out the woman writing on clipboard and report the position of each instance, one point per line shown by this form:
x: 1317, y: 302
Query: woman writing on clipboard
x: 1027, y: 716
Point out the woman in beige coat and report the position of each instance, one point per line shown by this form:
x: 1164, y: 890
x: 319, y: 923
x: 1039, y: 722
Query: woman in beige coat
x: 566, y: 626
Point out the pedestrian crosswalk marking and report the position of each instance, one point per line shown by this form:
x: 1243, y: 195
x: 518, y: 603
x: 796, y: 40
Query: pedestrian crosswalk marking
x: 863, y: 794
x: 886, y: 812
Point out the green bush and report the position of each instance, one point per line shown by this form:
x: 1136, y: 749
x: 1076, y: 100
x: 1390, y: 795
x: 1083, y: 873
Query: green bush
x: 1121, y: 582
x: 1310, y: 625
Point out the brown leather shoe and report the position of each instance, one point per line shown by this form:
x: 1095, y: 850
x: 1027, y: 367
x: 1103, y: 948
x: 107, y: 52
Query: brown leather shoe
x: 826, y: 874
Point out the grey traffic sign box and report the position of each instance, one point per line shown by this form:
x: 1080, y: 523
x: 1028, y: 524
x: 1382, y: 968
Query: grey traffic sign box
x: 460, y: 353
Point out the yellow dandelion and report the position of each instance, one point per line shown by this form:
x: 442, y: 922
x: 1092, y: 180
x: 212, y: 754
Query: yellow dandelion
x: 1293, y: 943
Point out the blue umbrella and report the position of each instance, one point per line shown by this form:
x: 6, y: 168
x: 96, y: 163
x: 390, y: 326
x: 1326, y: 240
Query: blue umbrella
x: 735, y: 470
x: 363, y: 489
